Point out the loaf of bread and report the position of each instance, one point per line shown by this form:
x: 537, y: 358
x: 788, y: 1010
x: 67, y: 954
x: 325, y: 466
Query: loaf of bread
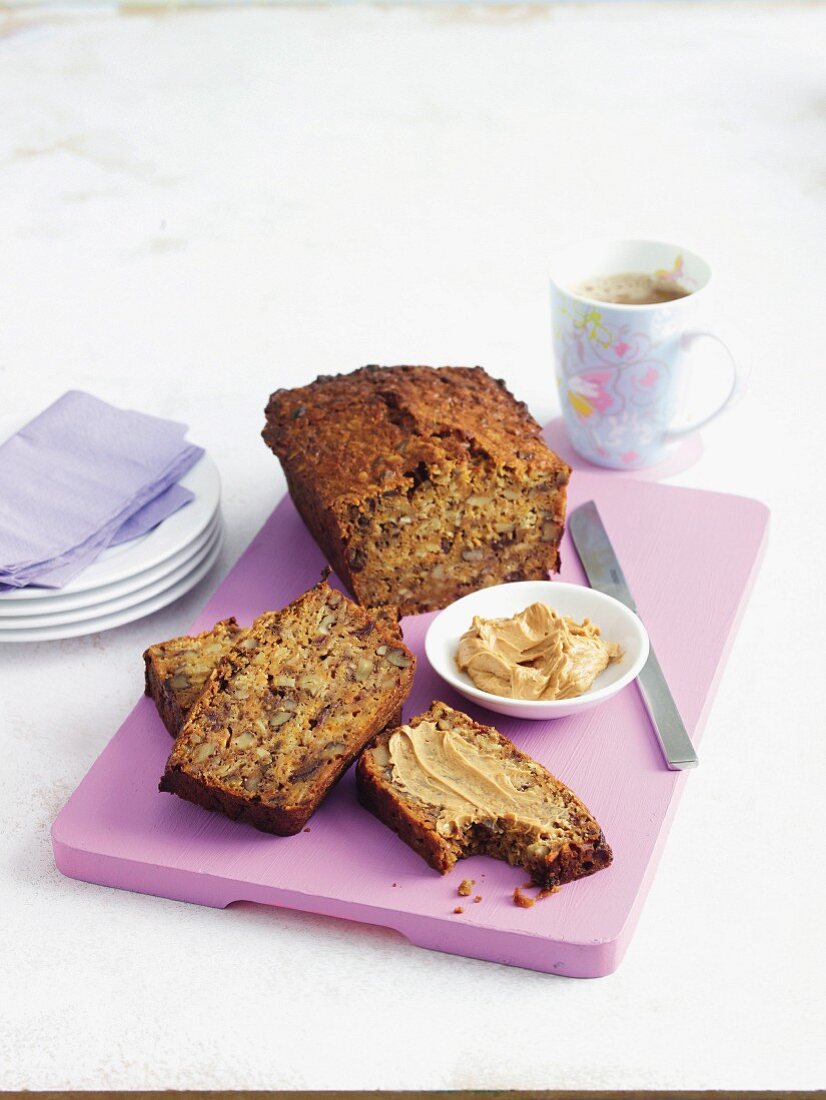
x: 176, y: 671
x: 453, y: 788
x: 285, y: 712
x: 420, y: 484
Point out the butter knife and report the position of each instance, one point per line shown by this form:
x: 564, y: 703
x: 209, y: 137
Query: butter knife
x: 604, y: 573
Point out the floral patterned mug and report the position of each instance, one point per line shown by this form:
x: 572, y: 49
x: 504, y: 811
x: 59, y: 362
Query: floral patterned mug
x: 622, y: 369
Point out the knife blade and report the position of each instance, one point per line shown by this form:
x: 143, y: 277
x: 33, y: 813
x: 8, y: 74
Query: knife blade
x: 604, y: 573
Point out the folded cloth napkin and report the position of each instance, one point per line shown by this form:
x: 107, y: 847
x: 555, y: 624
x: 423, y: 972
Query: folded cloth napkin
x: 79, y: 477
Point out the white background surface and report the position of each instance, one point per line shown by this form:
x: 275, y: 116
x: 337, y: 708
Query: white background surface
x: 198, y: 208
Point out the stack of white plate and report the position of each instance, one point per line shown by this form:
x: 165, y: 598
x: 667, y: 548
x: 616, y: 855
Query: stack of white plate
x: 130, y: 580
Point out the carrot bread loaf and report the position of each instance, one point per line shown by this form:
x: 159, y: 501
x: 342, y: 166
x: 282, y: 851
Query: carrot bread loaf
x: 420, y: 484
x: 284, y: 713
x: 176, y: 671
x: 452, y: 788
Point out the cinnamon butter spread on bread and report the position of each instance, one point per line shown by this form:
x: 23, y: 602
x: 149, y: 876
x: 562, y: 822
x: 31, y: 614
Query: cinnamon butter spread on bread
x: 452, y: 788
x: 284, y: 712
x: 420, y: 484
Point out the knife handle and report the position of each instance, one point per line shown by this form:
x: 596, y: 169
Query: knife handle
x: 665, y: 718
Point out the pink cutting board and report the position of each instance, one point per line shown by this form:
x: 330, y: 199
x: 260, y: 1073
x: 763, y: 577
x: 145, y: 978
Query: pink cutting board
x: 689, y: 557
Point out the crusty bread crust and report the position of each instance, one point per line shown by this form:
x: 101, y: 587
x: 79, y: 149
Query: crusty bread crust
x: 583, y: 854
x: 168, y: 707
x: 276, y: 820
x: 444, y: 445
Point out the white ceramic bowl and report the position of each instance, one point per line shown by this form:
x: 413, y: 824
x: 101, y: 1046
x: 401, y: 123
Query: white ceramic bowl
x: 615, y: 621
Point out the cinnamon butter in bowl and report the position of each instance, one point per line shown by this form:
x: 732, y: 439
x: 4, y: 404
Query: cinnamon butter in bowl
x: 537, y: 649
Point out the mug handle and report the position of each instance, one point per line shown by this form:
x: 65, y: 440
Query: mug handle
x: 735, y: 393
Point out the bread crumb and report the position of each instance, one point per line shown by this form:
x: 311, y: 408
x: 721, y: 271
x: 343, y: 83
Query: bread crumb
x: 459, y: 909
x: 478, y: 898
x: 522, y: 900
x: 307, y: 830
x: 546, y: 892
x: 465, y: 887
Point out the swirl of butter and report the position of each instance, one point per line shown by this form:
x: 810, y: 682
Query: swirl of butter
x: 536, y: 654
x: 466, y: 785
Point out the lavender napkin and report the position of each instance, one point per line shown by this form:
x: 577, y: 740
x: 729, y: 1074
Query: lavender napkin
x: 80, y: 476
x: 153, y: 513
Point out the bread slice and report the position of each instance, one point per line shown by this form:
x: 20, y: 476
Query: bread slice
x: 176, y: 671
x: 285, y: 712
x: 467, y: 790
